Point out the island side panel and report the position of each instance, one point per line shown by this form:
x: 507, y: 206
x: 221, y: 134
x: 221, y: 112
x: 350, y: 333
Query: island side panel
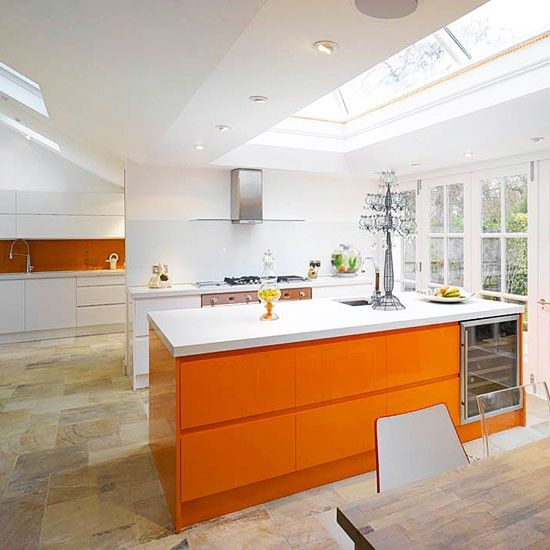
x: 163, y: 428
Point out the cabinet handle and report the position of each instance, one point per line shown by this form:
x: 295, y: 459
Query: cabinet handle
x: 213, y: 301
x: 543, y: 302
x: 302, y: 294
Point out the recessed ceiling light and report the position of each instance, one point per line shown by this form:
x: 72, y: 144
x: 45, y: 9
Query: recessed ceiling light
x: 416, y: 164
x: 385, y: 9
x: 468, y: 154
x: 223, y: 127
x: 325, y: 46
x: 199, y: 147
x: 258, y: 98
x: 27, y: 137
x: 537, y: 139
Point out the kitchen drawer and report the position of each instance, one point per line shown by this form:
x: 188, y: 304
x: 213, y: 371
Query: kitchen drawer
x: 296, y: 294
x: 425, y: 353
x: 325, y: 434
x: 100, y: 295
x: 101, y: 280
x: 100, y: 315
x: 327, y: 370
x: 142, y: 307
x: 232, y: 385
x: 228, y: 298
x: 419, y: 397
x: 220, y: 459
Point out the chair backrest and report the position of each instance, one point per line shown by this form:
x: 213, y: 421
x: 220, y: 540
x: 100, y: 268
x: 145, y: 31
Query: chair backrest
x: 513, y: 417
x: 416, y: 445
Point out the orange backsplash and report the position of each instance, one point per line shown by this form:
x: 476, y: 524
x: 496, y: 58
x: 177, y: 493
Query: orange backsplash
x: 63, y: 255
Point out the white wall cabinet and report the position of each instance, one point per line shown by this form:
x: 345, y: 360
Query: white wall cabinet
x: 12, y: 306
x: 7, y: 226
x: 50, y: 303
x: 55, y: 215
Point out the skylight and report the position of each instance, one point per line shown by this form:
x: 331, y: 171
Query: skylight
x: 494, y: 27
x: 22, y: 89
x: 29, y: 133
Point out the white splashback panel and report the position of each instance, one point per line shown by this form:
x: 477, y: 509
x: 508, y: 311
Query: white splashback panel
x: 161, y: 204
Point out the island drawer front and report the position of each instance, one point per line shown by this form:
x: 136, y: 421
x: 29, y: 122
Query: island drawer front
x: 224, y: 458
x: 324, y: 434
x: 419, y: 397
x: 418, y: 354
x: 233, y: 385
x: 328, y: 370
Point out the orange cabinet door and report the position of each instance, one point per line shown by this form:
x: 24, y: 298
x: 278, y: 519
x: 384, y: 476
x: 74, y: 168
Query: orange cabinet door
x: 324, y: 434
x: 231, y: 385
x: 422, y: 353
x: 411, y: 399
x: 219, y: 459
x: 327, y: 370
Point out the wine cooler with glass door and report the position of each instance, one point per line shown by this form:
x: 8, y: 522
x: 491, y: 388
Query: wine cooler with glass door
x: 490, y: 360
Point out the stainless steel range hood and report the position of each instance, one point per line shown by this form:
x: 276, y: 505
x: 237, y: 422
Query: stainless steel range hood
x: 246, y: 196
x: 246, y: 199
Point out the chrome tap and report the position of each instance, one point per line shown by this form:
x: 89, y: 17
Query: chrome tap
x: 28, y: 254
x: 376, y: 294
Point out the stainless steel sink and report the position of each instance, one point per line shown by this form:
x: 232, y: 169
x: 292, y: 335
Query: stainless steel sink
x: 356, y: 302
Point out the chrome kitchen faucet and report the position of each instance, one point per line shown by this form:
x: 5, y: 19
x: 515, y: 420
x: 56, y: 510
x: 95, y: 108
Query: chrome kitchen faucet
x: 28, y: 254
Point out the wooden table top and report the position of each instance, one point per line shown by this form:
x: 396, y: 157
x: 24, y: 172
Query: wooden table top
x: 501, y: 502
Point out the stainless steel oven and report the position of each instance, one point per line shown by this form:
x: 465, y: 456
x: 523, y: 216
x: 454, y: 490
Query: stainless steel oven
x: 490, y: 360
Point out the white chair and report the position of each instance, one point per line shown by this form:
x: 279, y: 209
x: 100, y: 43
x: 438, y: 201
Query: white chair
x: 416, y: 445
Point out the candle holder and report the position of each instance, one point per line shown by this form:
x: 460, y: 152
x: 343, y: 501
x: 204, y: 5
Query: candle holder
x: 387, y: 213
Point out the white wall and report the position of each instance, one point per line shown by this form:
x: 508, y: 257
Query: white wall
x: 162, y: 202
x: 25, y: 165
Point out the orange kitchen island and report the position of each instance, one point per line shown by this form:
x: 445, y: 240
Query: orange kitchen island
x: 244, y: 411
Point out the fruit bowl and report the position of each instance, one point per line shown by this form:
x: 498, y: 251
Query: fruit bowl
x: 445, y: 294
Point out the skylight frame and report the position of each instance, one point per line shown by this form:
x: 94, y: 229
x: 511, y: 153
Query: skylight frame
x: 450, y: 43
x: 22, y: 89
x: 29, y: 133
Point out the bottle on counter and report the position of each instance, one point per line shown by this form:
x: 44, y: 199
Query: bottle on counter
x: 313, y: 270
x: 269, y: 291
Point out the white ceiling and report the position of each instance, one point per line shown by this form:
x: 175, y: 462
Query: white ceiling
x: 145, y: 80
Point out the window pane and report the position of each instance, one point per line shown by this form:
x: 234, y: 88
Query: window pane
x: 516, y: 204
x: 516, y: 266
x: 436, y: 260
x: 525, y: 320
x: 499, y: 24
x: 490, y: 264
x: 455, y: 257
x: 455, y: 208
x: 490, y: 205
x: 409, y: 258
x: 436, y: 209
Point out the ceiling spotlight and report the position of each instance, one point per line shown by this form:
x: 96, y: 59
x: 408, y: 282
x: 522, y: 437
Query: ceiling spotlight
x: 223, y: 127
x: 537, y: 139
x: 325, y: 46
x: 258, y: 98
x: 385, y: 9
x: 27, y: 137
x: 199, y: 147
x: 468, y: 154
x: 416, y: 164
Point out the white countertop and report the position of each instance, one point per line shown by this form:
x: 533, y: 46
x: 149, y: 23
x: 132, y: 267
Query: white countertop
x: 194, y: 331
x: 55, y: 274
x: 140, y: 292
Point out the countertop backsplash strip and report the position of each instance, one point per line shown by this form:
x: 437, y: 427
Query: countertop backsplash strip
x: 63, y: 254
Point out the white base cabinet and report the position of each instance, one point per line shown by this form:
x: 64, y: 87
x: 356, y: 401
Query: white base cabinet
x: 58, y: 306
x: 50, y: 303
x: 12, y: 306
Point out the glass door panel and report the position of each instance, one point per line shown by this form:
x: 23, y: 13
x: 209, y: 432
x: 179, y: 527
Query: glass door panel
x: 490, y: 360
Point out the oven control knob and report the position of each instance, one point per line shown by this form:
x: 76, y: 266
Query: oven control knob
x: 302, y: 294
x: 213, y: 301
x: 247, y: 298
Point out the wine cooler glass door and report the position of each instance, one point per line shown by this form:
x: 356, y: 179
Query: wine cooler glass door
x: 490, y: 360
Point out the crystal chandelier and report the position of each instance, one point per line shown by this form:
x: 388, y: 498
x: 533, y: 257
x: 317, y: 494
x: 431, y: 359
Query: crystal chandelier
x: 387, y: 213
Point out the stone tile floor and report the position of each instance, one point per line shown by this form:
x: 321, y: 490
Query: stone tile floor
x: 76, y: 471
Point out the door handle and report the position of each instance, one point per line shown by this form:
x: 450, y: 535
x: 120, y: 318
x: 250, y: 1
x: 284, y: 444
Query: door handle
x: 543, y: 302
